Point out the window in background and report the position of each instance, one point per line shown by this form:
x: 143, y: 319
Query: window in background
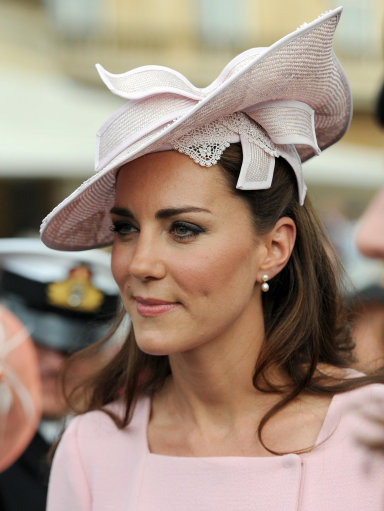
x: 361, y: 25
x: 75, y: 20
x: 221, y: 24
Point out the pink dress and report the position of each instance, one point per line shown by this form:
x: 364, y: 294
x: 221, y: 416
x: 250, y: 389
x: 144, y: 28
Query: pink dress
x: 100, y: 468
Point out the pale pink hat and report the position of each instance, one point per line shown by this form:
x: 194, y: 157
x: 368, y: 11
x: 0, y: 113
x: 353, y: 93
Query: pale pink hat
x: 291, y: 99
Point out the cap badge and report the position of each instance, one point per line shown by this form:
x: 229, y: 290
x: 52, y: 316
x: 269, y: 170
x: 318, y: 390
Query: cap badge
x: 76, y: 292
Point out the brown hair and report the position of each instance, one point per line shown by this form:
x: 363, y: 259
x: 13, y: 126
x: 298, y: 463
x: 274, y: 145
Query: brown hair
x: 304, y: 312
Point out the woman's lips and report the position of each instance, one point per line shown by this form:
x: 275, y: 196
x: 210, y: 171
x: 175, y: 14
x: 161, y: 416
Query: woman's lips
x: 151, y: 307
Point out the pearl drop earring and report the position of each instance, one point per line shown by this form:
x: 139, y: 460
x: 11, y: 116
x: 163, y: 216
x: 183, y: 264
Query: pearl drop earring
x: 265, y: 285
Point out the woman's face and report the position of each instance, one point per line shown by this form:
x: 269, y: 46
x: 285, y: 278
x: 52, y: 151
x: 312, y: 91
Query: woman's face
x: 185, y: 256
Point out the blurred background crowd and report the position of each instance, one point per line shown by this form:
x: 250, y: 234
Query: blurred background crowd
x: 52, y: 103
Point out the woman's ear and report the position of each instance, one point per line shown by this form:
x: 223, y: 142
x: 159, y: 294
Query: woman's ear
x: 279, y: 243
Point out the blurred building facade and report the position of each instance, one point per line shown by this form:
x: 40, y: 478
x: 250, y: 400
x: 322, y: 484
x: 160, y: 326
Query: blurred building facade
x: 52, y: 101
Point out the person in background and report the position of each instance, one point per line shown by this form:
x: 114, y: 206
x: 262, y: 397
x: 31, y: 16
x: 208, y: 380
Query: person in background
x: 230, y: 390
x: 370, y: 242
x: 20, y: 389
x: 365, y: 300
x: 66, y: 301
x: 370, y: 236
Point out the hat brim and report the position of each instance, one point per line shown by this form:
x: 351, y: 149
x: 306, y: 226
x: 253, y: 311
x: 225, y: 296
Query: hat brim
x: 301, y: 67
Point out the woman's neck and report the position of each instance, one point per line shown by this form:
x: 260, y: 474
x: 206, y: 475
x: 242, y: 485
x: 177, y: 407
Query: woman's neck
x: 214, y: 382
x: 205, y: 417
x: 209, y: 403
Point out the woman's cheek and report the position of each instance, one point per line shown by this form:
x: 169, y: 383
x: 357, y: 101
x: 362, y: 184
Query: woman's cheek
x: 118, y: 267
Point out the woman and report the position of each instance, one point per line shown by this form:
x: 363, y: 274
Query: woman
x: 232, y: 389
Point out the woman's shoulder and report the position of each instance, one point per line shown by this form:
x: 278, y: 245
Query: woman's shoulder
x: 98, y: 426
x: 364, y: 392
x: 94, y: 455
x: 351, y: 410
x: 362, y: 389
x: 364, y: 400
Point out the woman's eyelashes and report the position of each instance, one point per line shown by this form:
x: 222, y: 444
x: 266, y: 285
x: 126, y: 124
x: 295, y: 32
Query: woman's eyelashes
x: 185, y: 230
x: 123, y: 228
x: 178, y: 230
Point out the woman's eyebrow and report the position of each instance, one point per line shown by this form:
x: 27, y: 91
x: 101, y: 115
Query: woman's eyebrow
x: 121, y: 212
x: 168, y: 212
x: 162, y: 213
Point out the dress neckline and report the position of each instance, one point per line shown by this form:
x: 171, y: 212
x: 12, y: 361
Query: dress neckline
x: 328, y: 426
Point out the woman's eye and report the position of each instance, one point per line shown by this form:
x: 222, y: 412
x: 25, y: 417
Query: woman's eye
x: 123, y: 228
x: 185, y: 230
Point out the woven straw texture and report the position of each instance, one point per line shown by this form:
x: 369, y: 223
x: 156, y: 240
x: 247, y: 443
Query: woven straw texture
x: 163, y: 106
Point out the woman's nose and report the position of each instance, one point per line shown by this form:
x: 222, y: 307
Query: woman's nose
x: 147, y: 260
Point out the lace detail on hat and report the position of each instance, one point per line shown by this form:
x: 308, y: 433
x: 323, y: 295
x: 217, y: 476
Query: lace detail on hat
x: 244, y: 126
x: 206, y: 144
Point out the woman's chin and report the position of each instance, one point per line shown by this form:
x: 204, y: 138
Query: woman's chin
x: 159, y: 346
x: 154, y: 345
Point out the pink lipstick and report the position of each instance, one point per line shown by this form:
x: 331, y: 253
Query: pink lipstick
x: 152, y: 307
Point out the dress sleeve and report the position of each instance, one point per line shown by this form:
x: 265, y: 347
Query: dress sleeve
x: 68, y: 485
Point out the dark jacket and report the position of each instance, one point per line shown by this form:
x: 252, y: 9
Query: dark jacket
x: 23, y: 486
